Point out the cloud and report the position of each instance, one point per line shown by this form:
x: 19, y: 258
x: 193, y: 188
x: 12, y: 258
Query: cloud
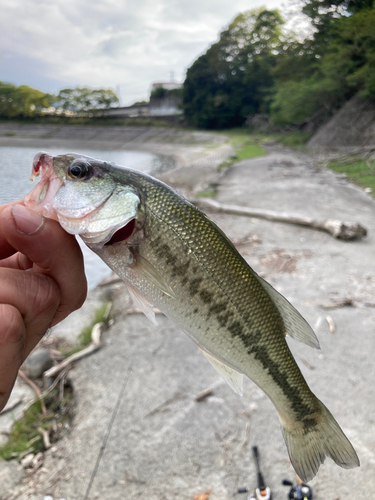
x: 108, y: 43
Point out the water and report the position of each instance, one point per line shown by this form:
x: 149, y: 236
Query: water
x: 15, y: 170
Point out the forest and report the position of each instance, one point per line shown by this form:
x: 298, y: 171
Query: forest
x: 261, y: 65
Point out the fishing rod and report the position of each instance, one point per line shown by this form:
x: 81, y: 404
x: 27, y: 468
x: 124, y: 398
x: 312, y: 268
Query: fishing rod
x: 263, y: 492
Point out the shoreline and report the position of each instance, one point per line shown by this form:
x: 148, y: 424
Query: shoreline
x: 197, y: 154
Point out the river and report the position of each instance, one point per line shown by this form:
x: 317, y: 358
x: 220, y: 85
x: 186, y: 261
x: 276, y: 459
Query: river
x: 15, y: 170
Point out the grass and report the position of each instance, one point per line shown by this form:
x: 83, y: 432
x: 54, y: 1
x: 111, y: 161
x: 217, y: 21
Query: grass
x: 207, y: 193
x: 25, y: 435
x: 249, y: 150
x: 359, y: 171
x: 84, y: 338
x: 245, y: 145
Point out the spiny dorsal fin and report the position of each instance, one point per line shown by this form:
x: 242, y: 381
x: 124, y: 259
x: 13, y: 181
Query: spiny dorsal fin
x: 232, y: 377
x: 295, y: 325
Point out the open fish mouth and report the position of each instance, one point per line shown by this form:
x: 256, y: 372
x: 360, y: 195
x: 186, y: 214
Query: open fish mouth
x: 40, y: 198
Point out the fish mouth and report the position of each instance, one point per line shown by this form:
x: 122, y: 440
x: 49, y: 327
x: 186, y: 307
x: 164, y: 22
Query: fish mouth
x: 39, y: 199
x: 122, y: 234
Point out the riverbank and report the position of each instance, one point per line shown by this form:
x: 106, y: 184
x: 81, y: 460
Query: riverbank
x: 139, y: 431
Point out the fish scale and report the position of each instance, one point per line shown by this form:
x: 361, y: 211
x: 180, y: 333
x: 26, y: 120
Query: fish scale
x: 178, y: 260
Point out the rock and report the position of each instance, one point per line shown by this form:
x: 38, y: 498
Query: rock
x: 37, y: 363
x: 11, y: 474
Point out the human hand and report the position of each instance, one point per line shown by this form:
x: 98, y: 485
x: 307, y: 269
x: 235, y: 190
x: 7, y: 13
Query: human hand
x: 42, y: 281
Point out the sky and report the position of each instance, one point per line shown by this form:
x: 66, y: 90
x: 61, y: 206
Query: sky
x: 125, y: 45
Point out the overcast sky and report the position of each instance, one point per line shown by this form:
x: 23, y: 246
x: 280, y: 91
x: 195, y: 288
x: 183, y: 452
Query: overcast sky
x: 121, y: 44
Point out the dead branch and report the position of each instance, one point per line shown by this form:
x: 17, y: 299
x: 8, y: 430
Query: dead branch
x: 337, y: 229
x: 246, y: 438
x: 331, y: 324
x: 11, y: 406
x: 346, y: 302
x: 203, y: 395
x: 307, y: 363
x: 45, y: 435
x: 94, y: 346
x: 35, y: 389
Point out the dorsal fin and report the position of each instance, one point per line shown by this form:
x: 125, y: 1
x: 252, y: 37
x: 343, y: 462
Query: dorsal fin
x: 295, y: 325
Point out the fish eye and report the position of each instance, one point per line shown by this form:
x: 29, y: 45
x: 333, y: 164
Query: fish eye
x: 80, y: 170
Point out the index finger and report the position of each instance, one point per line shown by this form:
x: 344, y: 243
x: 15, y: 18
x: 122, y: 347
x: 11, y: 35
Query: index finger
x: 52, y: 250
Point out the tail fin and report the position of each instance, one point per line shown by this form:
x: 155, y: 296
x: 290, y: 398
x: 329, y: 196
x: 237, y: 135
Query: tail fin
x: 307, y: 450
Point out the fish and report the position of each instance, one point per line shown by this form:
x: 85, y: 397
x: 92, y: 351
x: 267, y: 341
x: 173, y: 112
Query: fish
x: 174, y: 257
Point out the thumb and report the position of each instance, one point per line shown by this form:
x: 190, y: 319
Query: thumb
x: 50, y: 250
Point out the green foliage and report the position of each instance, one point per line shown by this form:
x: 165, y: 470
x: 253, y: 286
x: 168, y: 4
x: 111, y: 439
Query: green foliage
x: 233, y: 78
x: 159, y: 93
x: 22, y: 101
x: 25, y: 434
x: 256, y: 67
x: 322, y: 12
x: 84, y: 99
x: 359, y: 171
x: 322, y: 85
x: 100, y: 316
x: 250, y: 150
x: 207, y: 193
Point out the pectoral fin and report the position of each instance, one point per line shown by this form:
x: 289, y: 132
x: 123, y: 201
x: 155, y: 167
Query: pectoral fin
x: 144, y: 267
x: 232, y: 377
x: 142, y: 304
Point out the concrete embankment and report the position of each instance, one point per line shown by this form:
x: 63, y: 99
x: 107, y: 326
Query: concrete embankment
x: 139, y: 431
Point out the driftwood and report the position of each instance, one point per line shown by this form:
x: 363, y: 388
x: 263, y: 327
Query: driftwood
x: 337, y: 229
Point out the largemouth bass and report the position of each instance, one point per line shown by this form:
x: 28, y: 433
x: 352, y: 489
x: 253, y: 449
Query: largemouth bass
x: 172, y: 256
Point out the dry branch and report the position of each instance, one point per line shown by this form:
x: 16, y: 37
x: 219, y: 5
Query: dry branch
x: 45, y: 435
x: 94, y: 346
x: 337, y: 229
x: 11, y: 407
x: 331, y: 324
x: 36, y: 390
x: 203, y: 395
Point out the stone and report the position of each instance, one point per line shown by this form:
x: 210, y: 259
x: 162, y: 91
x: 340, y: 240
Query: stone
x: 37, y: 363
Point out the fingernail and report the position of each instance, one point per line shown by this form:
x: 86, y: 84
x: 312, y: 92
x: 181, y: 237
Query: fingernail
x: 27, y: 221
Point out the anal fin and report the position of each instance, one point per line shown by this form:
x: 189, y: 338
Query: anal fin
x: 232, y: 377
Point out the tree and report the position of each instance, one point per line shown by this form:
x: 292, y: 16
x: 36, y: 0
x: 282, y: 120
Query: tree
x: 233, y: 78
x: 346, y: 68
x: 22, y: 101
x: 85, y: 99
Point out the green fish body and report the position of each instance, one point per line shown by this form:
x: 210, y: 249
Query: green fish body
x: 172, y: 256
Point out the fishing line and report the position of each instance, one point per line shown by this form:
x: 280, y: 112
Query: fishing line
x: 110, y: 425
